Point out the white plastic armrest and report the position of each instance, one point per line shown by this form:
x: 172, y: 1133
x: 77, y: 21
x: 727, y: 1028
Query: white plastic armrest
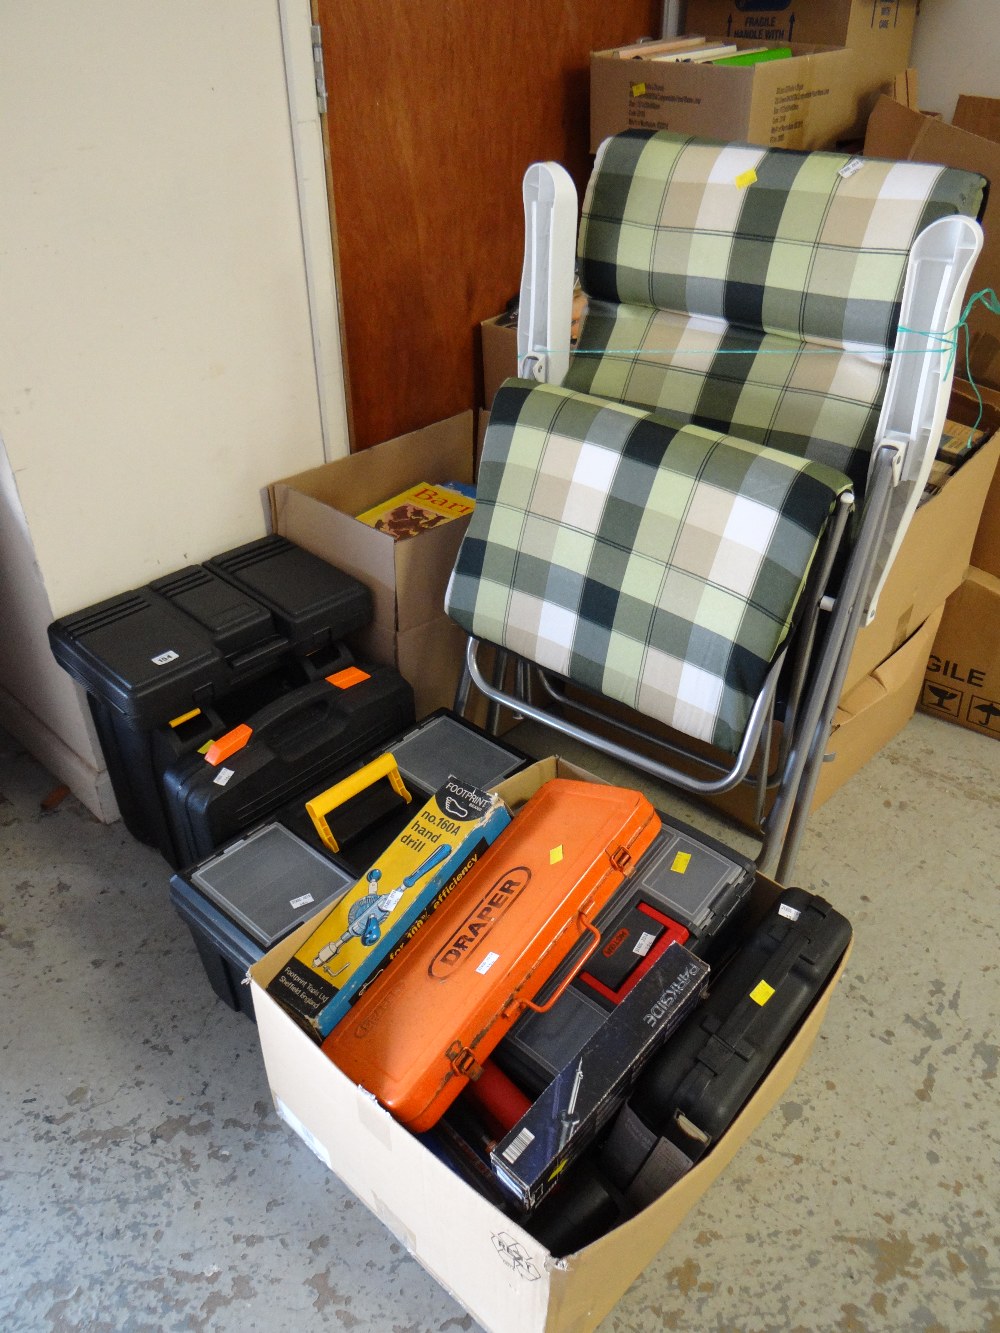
x: 545, y: 314
x: 921, y: 371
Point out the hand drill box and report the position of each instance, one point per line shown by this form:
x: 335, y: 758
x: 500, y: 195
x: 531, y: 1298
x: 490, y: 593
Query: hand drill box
x: 350, y: 944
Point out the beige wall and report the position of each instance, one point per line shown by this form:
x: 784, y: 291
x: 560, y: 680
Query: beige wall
x: 156, y: 353
x: 956, y: 49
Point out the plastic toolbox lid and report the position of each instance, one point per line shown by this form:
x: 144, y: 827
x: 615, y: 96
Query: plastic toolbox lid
x: 310, y: 599
x: 270, y: 881
x: 443, y: 746
x: 232, y: 619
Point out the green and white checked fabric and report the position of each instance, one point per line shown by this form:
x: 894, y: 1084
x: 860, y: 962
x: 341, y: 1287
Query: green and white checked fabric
x: 647, y: 528
x: 753, y: 290
x: 658, y: 564
x: 816, y: 402
x: 811, y: 245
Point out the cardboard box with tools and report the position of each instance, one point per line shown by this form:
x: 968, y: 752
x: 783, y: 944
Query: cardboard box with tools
x: 506, y: 1279
x: 318, y: 508
x: 803, y: 101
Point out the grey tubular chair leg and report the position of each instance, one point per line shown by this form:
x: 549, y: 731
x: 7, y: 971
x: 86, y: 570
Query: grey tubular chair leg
x: 787, y: 820
x: 663, y: 772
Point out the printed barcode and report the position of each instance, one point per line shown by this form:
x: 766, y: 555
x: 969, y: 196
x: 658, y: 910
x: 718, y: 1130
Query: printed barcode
x: 517, y: 1146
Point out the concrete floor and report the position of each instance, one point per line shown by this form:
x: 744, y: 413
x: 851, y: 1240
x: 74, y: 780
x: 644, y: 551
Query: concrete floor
x: 149, y: 1185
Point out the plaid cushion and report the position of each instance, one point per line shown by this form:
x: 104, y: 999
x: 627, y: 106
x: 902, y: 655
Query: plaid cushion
x: 751, y: 290
x: 817, y: 402
x: 767, y: 238
x: 657, y: 563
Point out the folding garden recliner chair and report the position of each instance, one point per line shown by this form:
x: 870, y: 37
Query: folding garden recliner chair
x: 693, y: 513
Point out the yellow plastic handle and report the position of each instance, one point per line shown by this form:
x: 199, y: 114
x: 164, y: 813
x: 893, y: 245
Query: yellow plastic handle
x: 320, y: 806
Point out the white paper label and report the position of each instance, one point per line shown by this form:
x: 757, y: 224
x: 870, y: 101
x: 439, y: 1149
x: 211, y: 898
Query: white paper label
x: 789, y: 913
x: 644, y: 943
x: 161, y: 659
x: 851, y: 168
x: 487, y: 963
x: 303, y: 901
x: 222, y: 777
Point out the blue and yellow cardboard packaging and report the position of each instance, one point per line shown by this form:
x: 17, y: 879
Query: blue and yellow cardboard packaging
x: 432, y: 854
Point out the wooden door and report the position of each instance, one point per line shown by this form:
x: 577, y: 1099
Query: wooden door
x: 436, y: 107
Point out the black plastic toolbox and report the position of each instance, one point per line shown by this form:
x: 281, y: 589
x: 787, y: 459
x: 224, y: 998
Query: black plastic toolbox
x: 290, y: 748
x: 172, y: 665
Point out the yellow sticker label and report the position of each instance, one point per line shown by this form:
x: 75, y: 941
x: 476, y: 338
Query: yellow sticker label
x: 555, y: 855
x: 638, y: 89
x: 745, y: 178
x: 681, y: 862
x: 761, y: 993
x: 203, y: 749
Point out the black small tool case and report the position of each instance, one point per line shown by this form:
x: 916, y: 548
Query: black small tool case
x: 189, y: 653
x: 289, y: 748
x: 241, y: 900
x: 687, y: 888
x: 693, y: 1089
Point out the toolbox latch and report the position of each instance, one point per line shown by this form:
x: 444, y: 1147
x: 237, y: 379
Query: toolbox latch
x: 463, y: 1061
x: 621, y: 860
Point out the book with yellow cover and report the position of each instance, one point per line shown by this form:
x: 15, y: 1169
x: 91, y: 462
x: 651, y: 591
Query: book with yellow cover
x: 416, y: 509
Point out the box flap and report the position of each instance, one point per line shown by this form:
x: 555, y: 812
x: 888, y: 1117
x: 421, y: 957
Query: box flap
x: 896, y: 131
x: 978, y: 115
x: 360, y: 480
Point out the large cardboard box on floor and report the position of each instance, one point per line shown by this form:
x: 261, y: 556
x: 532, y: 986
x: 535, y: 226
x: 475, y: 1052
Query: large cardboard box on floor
x: 962, y: 682
x: 495, y: 1269
x: 407, y: 578
x: 804, y: 101
x: 878, y: 33
x: 936, y: 550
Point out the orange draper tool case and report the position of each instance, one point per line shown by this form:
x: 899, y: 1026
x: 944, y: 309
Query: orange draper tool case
x: 424, y: 1026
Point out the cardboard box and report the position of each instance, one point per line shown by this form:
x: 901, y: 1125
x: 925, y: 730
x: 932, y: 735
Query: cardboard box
x: 499, y: 344
x: 878, y: 33
x: 936, y: 550
x: 978, y: 115
x: 986, y: 547
x: 503, y: 1277
x: 962, y: 682
x: 802, y: 102
x: 409, y: 628
x: 875, y: 710
x: 896, y: 131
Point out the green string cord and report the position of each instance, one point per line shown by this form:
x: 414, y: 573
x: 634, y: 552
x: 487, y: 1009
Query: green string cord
x: 947, y: 341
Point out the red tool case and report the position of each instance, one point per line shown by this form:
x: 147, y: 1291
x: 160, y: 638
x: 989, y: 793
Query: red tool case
x: 424, y: 1027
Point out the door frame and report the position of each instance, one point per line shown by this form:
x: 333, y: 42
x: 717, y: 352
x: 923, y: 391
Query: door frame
x: 306, y: 128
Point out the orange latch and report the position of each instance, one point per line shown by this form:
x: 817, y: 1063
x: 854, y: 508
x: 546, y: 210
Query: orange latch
x: 228, y: 744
